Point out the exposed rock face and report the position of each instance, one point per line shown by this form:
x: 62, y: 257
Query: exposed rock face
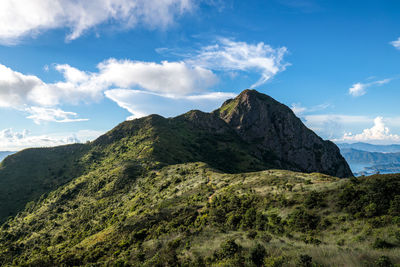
x: 271, y: 126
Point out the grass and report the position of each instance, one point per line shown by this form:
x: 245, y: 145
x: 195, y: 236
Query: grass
x: 98, y: 220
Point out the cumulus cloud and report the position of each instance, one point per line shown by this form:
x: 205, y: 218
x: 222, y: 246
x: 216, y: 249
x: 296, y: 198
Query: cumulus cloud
x: 19, y: 18
x: 396, y: 43
x: 174, y: 78
x: 228, y: 55
x: 141, y: 103
x: 41, y: 114
x: 378, y: 133
x: 359, y: 89
x: 11, y: 140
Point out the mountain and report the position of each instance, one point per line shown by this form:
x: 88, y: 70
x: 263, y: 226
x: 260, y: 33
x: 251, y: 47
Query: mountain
x: 367, y: 163
x: 271, y: 126
x: 200, y: 189
x: 4, y: 154
x: 359, y: 156
x: 370, y: 147
x: 252, y: 132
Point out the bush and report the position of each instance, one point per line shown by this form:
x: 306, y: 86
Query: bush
x: 251, y: 234
x: 228, y: 249
x: 380, y: 244
x: 257, y: 255
x: 302, y: 220
x: 314, y: 199
x: 394, y: 209
x: 305, y: 261
x: 383, y: 261
x: 267, y: 238
x: 274, y: 261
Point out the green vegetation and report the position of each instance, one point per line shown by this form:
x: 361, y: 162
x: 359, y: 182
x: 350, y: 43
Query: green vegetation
x: 127, y: 214
x: 188, y: 191
x: 29, y: 174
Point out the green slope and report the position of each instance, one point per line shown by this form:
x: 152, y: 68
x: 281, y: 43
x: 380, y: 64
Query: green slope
x: 189, y: 214
x: 153, y: 142
x: 27, y: 175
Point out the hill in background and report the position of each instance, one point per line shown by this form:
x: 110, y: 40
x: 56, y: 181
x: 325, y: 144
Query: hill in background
x: 4, y: 154
x: 367, y: 159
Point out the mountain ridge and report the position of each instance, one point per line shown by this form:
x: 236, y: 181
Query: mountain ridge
x: 393, y: 148
x: 154, y: 141
x: 138, y: 196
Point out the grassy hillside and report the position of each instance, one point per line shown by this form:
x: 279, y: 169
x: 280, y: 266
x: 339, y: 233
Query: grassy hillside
x: 152, y: 142
x: 26, y: 175
x: 127, y: 214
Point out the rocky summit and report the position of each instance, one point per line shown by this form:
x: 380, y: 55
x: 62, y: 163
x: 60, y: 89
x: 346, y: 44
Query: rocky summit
x: 273, y: 127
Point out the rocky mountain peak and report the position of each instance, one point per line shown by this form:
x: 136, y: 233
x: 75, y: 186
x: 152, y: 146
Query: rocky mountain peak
x: 273, y: 127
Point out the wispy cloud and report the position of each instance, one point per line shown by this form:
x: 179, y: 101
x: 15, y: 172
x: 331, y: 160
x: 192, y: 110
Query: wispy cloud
x: 300, y: 110
x: 396, y: 43
x: 142, y: 103
x: 11, y: 140
x: 31, y: 17
x: 41, y: 114
x: 228, y: 55
x: 359, y: 89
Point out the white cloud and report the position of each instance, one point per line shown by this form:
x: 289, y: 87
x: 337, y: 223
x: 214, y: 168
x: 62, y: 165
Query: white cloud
x: 19, y: 18
x: 378, y: 133
x: 333, y: 126
x: 359, y: 89
x: 298, y: 109
x: 41, y: 114
x: 185, y: 81
x: 141, y: 103
x: 229, y: 55
x: 174, y: 78
x: 396, y: 43
x: 11, y: 140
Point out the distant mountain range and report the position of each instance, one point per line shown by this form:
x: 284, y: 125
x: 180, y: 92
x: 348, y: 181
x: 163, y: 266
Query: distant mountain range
x: 367, y: 159
x: 370, y: 147
x: 4, y: 154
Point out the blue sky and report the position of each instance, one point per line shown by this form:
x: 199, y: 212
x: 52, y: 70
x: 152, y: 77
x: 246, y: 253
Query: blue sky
x: 71, y: 70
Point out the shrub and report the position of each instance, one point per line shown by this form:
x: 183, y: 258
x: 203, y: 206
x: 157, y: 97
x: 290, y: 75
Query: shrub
x: 274, y: 261
x: 302, y: 220
x: 228, y: 249
x: 383, y: 261
x: 251, y: 234
x: 380, y: 244
x: 305, y: 260
x: 257, y: 255
x: 266, y: 237
x: 314, y: 199
x: 394, y: 209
